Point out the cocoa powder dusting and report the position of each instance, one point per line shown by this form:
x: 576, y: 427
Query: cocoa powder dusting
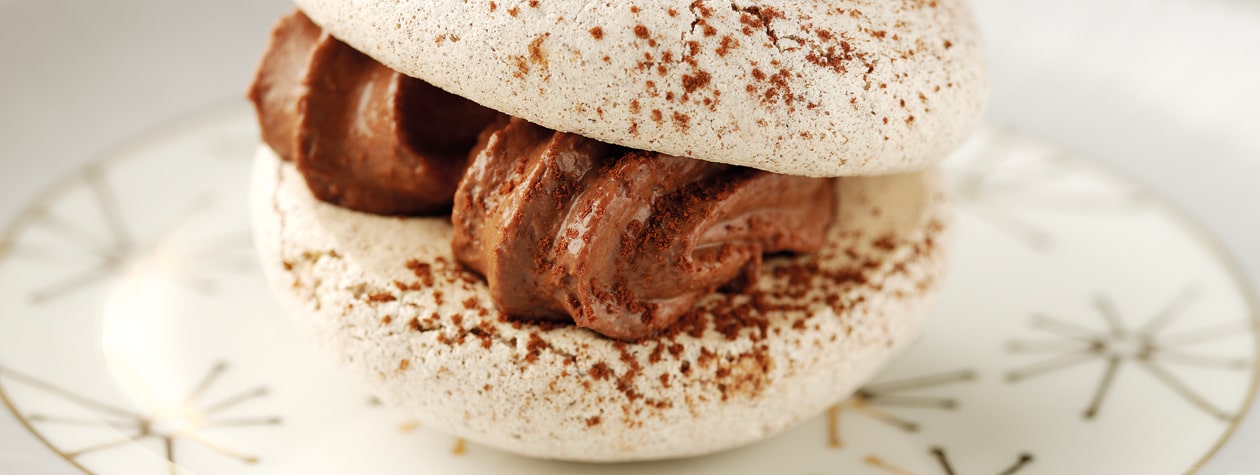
x: 657, y: 351
x: 600, y: 372
x: 534, y: 347
x: 522, y: 67
x: 691, y: 82
x: 725, y: 46
x: 682, y: 120
x: 536, y: 53
x: 422, y: 271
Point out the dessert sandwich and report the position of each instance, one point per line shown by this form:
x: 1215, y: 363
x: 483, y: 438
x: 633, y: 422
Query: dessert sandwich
x: 611, y: 231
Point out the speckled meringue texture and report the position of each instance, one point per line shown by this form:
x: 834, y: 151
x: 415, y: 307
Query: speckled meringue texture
x: 435, y: 346
x: 834, y: 88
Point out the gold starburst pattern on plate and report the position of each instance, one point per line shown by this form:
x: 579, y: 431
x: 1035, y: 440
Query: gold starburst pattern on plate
x: 188, y: 422
x: 101, y: 250
x: 110, y: 250
x: 177, y: 252
x: 874, y: 400
x: 1148, y: 347
x: 1004, y: 179
x: 947, y: 467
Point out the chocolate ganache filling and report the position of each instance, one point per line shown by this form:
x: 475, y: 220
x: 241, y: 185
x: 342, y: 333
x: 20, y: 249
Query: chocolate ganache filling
x: 562, y: 227
x: 621, y: 241
x: 364, y: 136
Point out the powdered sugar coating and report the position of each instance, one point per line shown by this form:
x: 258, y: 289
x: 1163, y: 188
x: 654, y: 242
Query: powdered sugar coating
x: 848, y: 87
x: 384, y: 297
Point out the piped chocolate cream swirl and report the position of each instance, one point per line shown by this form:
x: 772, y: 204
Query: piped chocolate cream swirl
x: 621, y: 241
x: 562, y: 227
x: 364, y: 136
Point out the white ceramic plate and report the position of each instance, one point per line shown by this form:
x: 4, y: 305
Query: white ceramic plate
x: 1089, y: 325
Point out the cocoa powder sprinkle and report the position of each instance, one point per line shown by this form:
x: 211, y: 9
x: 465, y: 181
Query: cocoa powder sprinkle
x: 535, y: 347
x: 600, y: 371
x: 691, y: 82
